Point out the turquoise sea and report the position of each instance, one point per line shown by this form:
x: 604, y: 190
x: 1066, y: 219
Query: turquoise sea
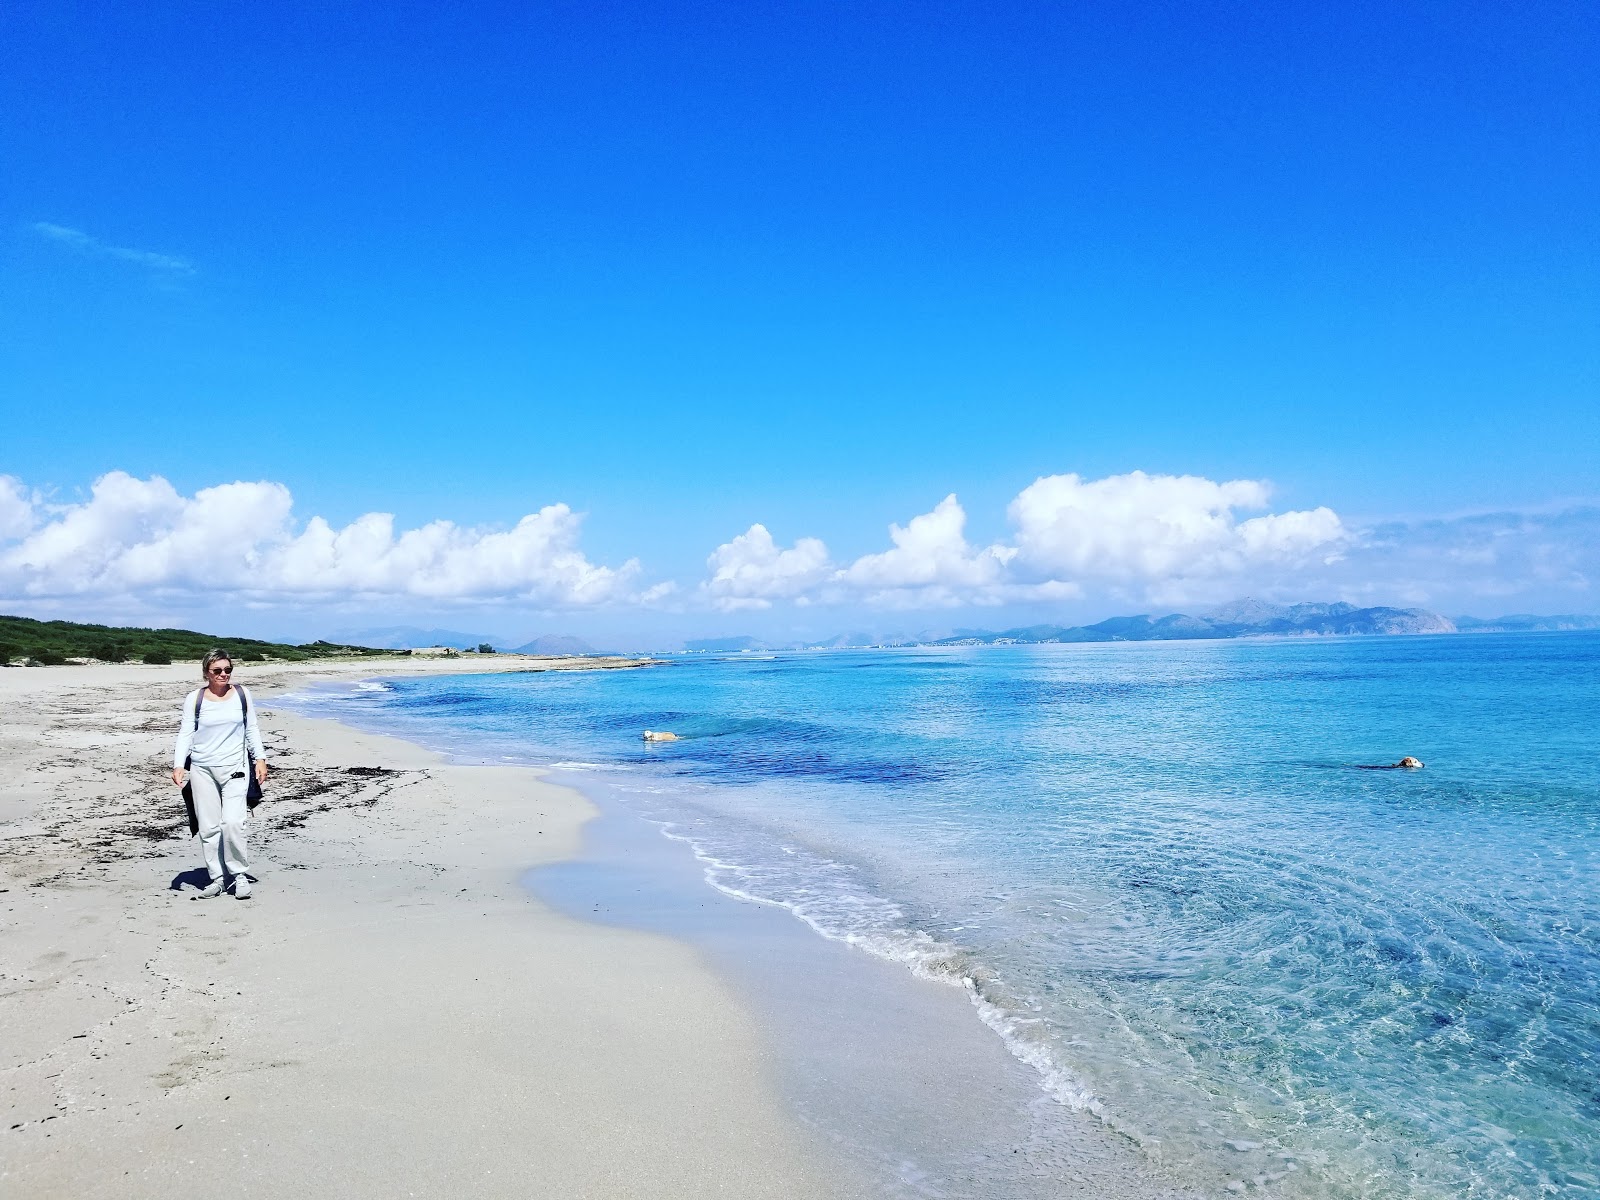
x: 1160, y: 873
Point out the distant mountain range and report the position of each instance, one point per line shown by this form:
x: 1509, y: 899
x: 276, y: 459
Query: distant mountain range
x: 1242, y: 618
x: 556, y: 644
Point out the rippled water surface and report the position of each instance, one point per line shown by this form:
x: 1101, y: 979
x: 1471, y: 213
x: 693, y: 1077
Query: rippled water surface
x: 1162, y: 875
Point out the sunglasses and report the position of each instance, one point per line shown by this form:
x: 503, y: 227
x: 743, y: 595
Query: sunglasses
x: 222, y: 670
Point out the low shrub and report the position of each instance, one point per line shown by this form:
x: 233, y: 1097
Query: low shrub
x: 158, y: 658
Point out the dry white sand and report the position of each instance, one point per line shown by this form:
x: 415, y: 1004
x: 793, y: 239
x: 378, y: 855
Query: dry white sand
x: 391, y: 1015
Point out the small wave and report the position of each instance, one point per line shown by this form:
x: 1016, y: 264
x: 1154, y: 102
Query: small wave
x: 879, y: 927
x: 327, y: 694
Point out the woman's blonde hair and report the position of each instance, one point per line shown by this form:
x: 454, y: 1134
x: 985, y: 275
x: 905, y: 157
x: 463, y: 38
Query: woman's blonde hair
x: 211, y: 657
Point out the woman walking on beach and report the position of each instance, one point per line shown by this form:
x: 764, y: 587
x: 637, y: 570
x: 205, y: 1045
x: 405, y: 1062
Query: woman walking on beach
x: 218, y: 744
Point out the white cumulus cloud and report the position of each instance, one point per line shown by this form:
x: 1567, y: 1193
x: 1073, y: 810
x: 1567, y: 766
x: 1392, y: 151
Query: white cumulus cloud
x: 1138, y: 528
x: 134, y: 536
x: 16, y: 508
x: 1154, y: 535
x: 751, y: 571
x: 930, y: 563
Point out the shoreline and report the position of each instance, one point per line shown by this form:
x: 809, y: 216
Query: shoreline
x: 393, y: 1013
x: 897, y: 1073
x: 395, y: 964
x: 952, y: 1094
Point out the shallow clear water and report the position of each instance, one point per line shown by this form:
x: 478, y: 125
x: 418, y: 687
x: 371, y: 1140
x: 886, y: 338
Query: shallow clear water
x: 1160, y: 874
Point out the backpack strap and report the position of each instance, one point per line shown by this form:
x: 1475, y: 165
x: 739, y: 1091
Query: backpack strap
x: 244, y: 725
x: 199, y: 697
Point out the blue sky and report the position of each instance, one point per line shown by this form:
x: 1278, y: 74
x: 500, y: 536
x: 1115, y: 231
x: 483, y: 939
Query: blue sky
x: 684, y: 269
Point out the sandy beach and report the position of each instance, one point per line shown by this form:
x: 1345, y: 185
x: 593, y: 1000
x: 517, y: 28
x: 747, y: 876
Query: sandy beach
x: 391, y: 1015
x: 395, y: 1013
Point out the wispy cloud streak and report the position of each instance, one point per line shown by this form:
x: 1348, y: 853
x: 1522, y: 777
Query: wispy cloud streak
x: 83, y: 243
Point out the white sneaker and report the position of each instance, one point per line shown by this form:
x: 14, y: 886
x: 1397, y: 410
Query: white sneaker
x: 214, y: 888
x: 241, y: 887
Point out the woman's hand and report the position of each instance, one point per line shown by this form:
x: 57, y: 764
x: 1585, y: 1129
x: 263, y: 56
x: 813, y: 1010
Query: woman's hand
x: 177, y: 776
x: 261, y: 770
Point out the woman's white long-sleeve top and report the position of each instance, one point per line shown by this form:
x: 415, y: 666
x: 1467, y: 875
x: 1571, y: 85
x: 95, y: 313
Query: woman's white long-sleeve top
x: 219, y: 738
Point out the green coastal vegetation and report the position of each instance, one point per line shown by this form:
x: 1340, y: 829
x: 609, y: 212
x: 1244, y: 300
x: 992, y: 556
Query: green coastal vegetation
x: 50, y: 643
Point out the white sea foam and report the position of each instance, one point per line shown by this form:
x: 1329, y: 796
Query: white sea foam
x: 879, y: 927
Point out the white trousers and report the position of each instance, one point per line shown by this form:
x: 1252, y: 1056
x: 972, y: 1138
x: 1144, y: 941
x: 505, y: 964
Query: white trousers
x: 220, y: 808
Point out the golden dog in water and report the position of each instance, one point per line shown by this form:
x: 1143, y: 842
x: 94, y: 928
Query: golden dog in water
x: 656, y: 735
